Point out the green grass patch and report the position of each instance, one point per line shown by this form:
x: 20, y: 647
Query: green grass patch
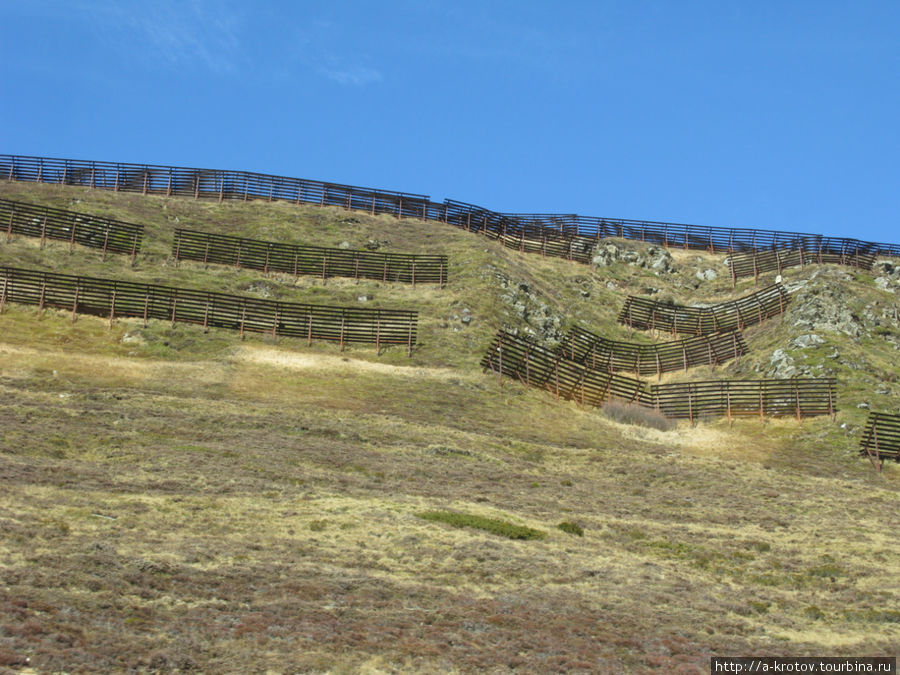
x: 493, y: 525
x: 571, y: 528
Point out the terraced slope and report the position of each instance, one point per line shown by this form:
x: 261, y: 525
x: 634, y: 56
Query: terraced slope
x: 180, y: 499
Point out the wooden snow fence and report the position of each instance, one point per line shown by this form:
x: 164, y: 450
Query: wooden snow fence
x: 31, y: 220
x: 536, y: 366
x: 112, y: 298
x: 646, y: 314
x: 600, y: 353
x: 754, y: 263
x: 304, y: 260
x: 569, y: 236
x: 881, y: 438
x: 794, y: 397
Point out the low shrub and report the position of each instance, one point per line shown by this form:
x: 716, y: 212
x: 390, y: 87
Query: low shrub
x: 492, y: 525
x: 631, y: 413
x: 571, y: 528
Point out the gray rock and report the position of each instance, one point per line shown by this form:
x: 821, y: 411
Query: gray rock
x: 885, y: 284
x: 781, y: 365
x: 821, y: 306
x: 365, y: 298
x: 344, y: 244
x: 655, y: 258
x: 863, y: 405
x: 806, y: 341
x: 707, y: 275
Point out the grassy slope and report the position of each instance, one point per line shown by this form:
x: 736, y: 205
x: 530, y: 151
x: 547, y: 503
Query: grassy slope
x: 183, y: 499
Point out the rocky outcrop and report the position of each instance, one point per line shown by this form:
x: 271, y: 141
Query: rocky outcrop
x: 528, y: 314
x: 821, y: 306
x: 657, y: 260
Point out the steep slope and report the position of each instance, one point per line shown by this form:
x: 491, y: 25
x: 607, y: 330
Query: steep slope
x: 183, y: 499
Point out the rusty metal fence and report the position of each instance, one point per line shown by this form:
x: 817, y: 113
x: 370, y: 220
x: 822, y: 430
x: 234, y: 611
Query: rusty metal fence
x: 881, y: 438
x: 647, y: 314
x: 600, y: 353
x: 31, y: 220
x: 536, y: 366
x: 549, y: 234
x: 295, y: 259
x: 113, y: 298
x: 754, y: 263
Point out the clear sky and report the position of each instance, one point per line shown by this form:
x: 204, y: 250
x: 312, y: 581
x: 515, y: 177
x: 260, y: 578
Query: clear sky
x: 753, y: 113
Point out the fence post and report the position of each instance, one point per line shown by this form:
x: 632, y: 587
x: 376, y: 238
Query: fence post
x: 75, y: 301
x: 41, y: 301
x: 174, y: 306
x: 690, y: 406
x: 243, y: 318
x: 105, y: 241
x: 414, y: 273
x: 112, y: 309
x: 275, y: 325
x: 762, y: 413
x: 9, y: 227
x: 43, y: 231
x: 169, y: 186
x: 146, y: 305
x: 831, y: 401
x: 177, y: 246
x: 378, y: 333
x: 133, y: 247
x: 797, y: 399
x: 3, y: 296
x: 206, y: 315
x: 342, y: 331
x: 266, y: 265
x: 206, y: 252
x: 877, y: 448
x: 308, y: 327
x: 728, y: 404
x: 295, y: 266
x: 409, y: 339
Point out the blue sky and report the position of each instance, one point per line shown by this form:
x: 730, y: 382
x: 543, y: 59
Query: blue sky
x: 782, y: 115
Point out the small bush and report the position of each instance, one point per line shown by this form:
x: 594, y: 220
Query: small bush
x: 631, y: 413
x: 492, y: 525
x: 571, y: 528
x: 318, y: 525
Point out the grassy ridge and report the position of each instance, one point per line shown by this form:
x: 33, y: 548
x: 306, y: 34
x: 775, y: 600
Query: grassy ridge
x: 176, y: 499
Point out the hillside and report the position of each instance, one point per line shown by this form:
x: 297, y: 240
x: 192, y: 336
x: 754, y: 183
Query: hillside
x: 181, y: 499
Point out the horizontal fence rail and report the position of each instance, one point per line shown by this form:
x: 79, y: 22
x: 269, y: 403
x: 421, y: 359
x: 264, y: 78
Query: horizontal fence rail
x: 766, y: 398
x: 308, y: 260
x: 536, y: 366
x: 647, y: 314
x: 881, y: 438
x: 31, y: 220
x: 598, y: 352
x: 561, y: 235
x: 754, y: 263
x: 112, y: 298
x: 209, y: 184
